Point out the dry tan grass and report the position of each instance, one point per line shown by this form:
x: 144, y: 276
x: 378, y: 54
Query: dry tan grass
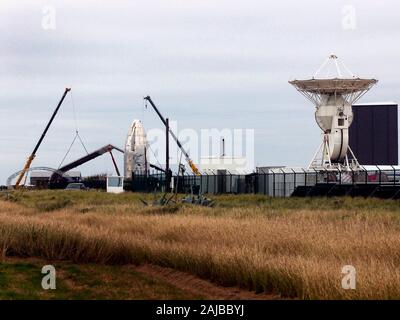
x: 295, y: 253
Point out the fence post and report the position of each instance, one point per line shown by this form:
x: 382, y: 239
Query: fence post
x: 380, y: 175
x: 327, y: 176
x: 394, y: 175
x: 294, y: 179
x: 273, y: 182
x: 352, y: 176
x: 215, y: 183
x: 265, y: 183
x: 284, y: 183
x: 230, y: 182
x: 366, y: 175
x: 316, y: 176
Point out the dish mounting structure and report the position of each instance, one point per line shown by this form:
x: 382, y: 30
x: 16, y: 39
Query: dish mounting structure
x: 333, y: 97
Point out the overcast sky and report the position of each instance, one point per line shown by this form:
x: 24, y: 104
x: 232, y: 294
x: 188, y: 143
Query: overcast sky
x: 206, y: 63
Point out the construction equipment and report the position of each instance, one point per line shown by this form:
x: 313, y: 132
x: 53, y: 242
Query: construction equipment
x: 33, y: 154
x: 93, y: 155
x: 199, y: 200
x: 153, y: 166
x: 187, y: 157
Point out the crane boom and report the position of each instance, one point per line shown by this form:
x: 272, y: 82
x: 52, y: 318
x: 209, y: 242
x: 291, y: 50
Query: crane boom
x: 33, y: 154
x: 187, y: 157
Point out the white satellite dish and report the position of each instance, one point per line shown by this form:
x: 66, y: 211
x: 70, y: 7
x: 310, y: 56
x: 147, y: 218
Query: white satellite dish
x: 333, y: 97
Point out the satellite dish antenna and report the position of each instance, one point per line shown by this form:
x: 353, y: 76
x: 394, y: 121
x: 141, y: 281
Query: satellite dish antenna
x: 333, y: 95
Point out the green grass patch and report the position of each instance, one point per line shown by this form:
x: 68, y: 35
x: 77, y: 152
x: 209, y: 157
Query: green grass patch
x: 50, y: 200
x: 22, y: 281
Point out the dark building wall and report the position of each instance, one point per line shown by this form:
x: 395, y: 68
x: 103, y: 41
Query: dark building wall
x: 374, y: 134
x: 40, y: 182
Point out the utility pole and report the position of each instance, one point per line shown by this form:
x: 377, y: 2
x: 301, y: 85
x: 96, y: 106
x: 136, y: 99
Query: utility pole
x: 167, y: 170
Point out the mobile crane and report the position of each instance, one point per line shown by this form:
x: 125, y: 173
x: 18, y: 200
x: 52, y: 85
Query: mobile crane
x: 33, y: 154
x: 187, y: 157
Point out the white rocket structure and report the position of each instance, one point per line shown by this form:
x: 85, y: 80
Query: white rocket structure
x: 136, y: 146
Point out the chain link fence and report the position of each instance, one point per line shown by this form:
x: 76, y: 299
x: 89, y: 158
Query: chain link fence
x: 383, y: 181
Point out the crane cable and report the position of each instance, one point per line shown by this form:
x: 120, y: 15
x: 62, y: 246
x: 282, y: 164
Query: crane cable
x: 69, y: 149
x: 76, y: 123
x: 77, y: 136
x: 155, y: 157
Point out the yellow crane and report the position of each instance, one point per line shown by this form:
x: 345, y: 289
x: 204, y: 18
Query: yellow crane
x: 33, y: 154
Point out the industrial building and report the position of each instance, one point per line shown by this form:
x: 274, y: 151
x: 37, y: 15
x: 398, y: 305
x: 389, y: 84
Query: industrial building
x: 374, y: 133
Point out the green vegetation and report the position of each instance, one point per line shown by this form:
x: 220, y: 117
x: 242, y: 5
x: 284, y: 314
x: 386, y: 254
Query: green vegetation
x: 49, y: 200
x: 290, y: 247
x: 22, y: 280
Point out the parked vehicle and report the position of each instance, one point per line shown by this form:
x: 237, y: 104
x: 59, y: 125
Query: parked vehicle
x: 76, y: 186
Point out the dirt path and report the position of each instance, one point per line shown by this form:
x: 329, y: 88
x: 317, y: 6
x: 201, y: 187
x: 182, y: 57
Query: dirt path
x: 197, y: 286
x: 192, y: 285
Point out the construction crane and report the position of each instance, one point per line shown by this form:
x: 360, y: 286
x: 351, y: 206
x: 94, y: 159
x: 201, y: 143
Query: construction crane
x: 93, y: 155
x: 33, y: 154
x: 187, y: 157
x: 89, y: 157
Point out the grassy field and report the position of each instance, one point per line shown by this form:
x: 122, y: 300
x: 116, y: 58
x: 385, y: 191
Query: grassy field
x: 295, y: 248
x: 21, y: 279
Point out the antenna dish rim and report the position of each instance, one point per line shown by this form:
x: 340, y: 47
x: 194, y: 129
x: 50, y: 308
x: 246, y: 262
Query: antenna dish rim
x: 333, y: 85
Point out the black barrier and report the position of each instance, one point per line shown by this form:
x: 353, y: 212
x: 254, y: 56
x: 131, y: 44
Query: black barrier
x: 204, y: 309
